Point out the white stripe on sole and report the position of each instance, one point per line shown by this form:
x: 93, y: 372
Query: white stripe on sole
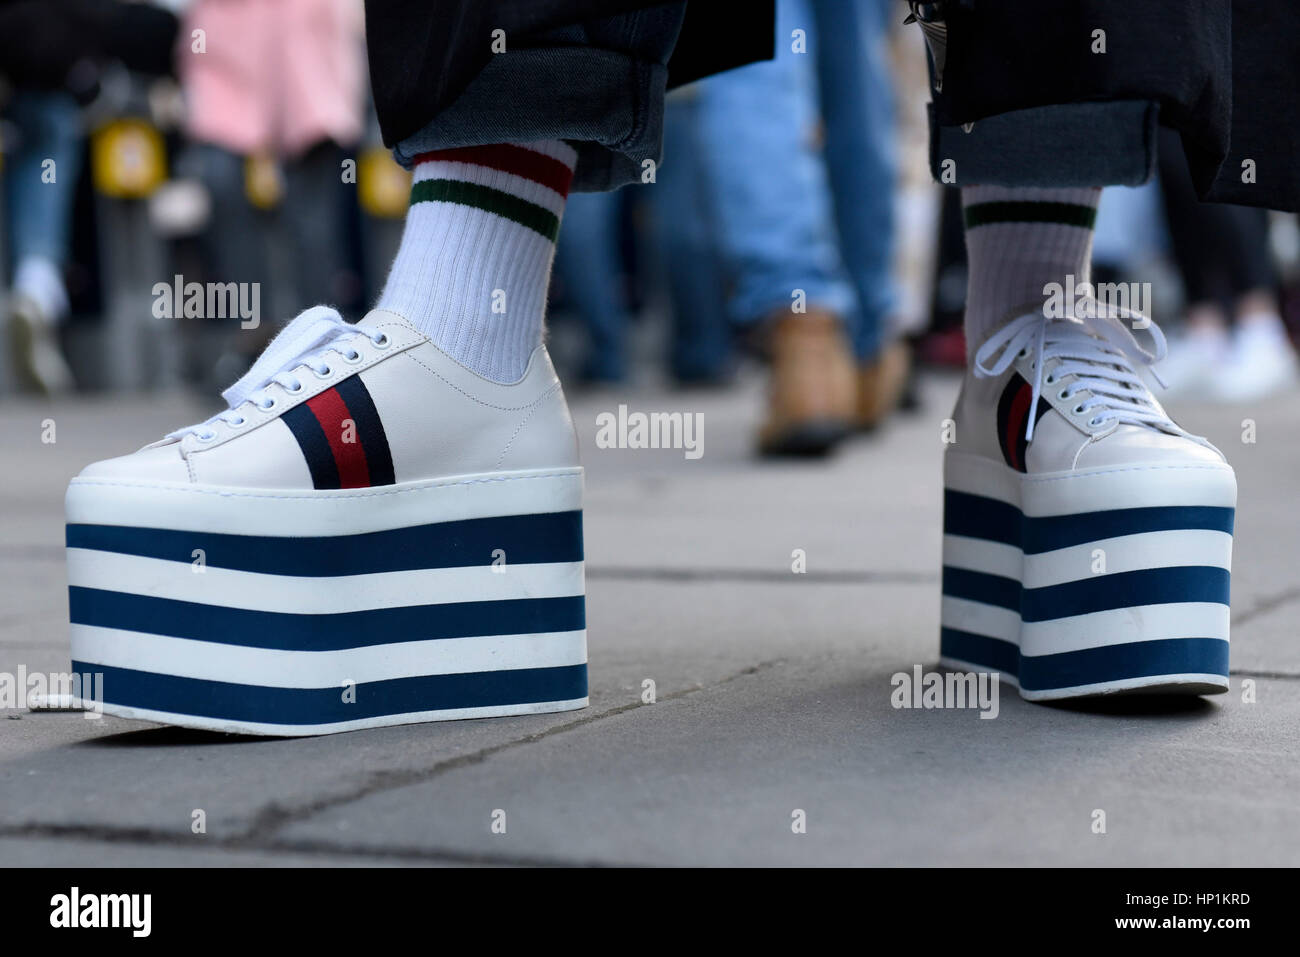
x: 1122, y: 626
x: 268, y: 667
x: 273, y: 512
x: 1167, y: 549
x: 202, y: 723
x: 231, y: 588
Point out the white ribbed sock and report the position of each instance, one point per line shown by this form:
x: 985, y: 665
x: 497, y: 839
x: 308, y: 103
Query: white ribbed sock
x: 1017, y: 241
x: 475, y: 258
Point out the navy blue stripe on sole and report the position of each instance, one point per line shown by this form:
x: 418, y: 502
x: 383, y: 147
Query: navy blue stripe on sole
x: 224, y: 701
x: 1126, y: 662
x: 975, y: 516
x: 323, y: 632
x: 982, y: 587
x: 525, y: 539
x: 991, y: 654
x: 1108, y: 664
x: 1147, y: 586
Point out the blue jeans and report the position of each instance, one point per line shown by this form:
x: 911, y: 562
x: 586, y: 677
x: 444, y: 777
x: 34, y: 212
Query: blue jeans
x: 857, y: 103
x: 788, y: 216
x: 39, y: 212
x: 700, y: 348
x: 587, y: 260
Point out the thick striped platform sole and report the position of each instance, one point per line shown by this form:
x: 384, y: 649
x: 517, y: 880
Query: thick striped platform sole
x: 1088, y: 583
x: 309, y: 612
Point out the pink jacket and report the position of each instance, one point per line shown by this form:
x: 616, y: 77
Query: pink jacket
x: 277, y: 76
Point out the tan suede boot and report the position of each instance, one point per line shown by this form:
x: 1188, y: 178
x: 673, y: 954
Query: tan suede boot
x: 880, y: 384
x: 810, y: 404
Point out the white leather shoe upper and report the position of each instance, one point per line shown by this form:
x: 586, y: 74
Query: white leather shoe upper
x: 1080, y: 418
x: 390, y: 407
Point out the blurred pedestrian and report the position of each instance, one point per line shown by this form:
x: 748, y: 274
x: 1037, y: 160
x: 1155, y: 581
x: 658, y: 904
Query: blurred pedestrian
x: 1234, y: 345
x: 806, y: 227
x: 274, y: 98
x: 52, y: 54
x: 40, y: 190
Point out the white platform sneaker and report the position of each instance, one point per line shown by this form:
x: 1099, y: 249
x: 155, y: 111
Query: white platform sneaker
x: 371, y: 534
x: 1087, y: 537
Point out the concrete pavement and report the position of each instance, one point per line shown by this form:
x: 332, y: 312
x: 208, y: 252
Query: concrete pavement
x: 772, y: 689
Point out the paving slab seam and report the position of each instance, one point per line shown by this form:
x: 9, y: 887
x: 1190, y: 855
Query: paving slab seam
x: 759, y: 575
x: 628, y: 573
x: 45, y: 553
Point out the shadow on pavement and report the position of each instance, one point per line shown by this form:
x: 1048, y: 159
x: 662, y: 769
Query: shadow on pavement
x: 1140, y: 706
x: 170, y: 738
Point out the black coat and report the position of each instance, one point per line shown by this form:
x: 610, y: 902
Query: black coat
x: 1226, y: 74
x: 41, y: 41
x: 423, y: 53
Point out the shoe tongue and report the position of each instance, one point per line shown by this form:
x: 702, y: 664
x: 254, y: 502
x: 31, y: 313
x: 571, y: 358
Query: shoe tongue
x: 307, y: 332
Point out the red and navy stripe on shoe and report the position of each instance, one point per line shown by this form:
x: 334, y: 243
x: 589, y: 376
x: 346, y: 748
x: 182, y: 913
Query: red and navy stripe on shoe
x: 1013, y: 418
x: 342, y: 437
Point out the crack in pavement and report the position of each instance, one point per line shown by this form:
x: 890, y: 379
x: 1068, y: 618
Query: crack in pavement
x: 1263, y: 674
x: 56, y: 553
x: 261, y: 833
x: 1266, y: 605
x: 147, y: 837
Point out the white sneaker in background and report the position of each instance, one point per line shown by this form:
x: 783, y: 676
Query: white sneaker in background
x: 1194, y: 359
x: 1261, y: 361
x: 37, y: 304
x: 37, y: 354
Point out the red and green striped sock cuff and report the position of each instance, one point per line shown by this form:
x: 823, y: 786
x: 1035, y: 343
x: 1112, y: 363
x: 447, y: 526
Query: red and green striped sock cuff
x: 1066, y: 206
x: 519, y: 183
x: 523, y: 161
x: 1029, y: 211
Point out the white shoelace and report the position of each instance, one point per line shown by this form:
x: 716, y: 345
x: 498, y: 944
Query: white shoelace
x: 1098, y: 348
x: 302, y: 344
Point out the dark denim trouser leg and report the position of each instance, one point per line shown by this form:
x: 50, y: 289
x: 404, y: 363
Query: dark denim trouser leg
x: 598, y: 84
x: 1109, y: 143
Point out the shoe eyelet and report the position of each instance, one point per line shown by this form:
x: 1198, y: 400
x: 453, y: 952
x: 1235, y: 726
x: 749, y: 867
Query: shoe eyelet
x: 1063, y: 395
x: 1093, y: 423
x: 295, y: 391
x: 1050, y: 380
x: 270, y: 404
x: 205, y: 436
x: 354, y: 358
x: 237, y: 423
x: 323, y: 375
x: 1078, y: 410
x: 383, y: 342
